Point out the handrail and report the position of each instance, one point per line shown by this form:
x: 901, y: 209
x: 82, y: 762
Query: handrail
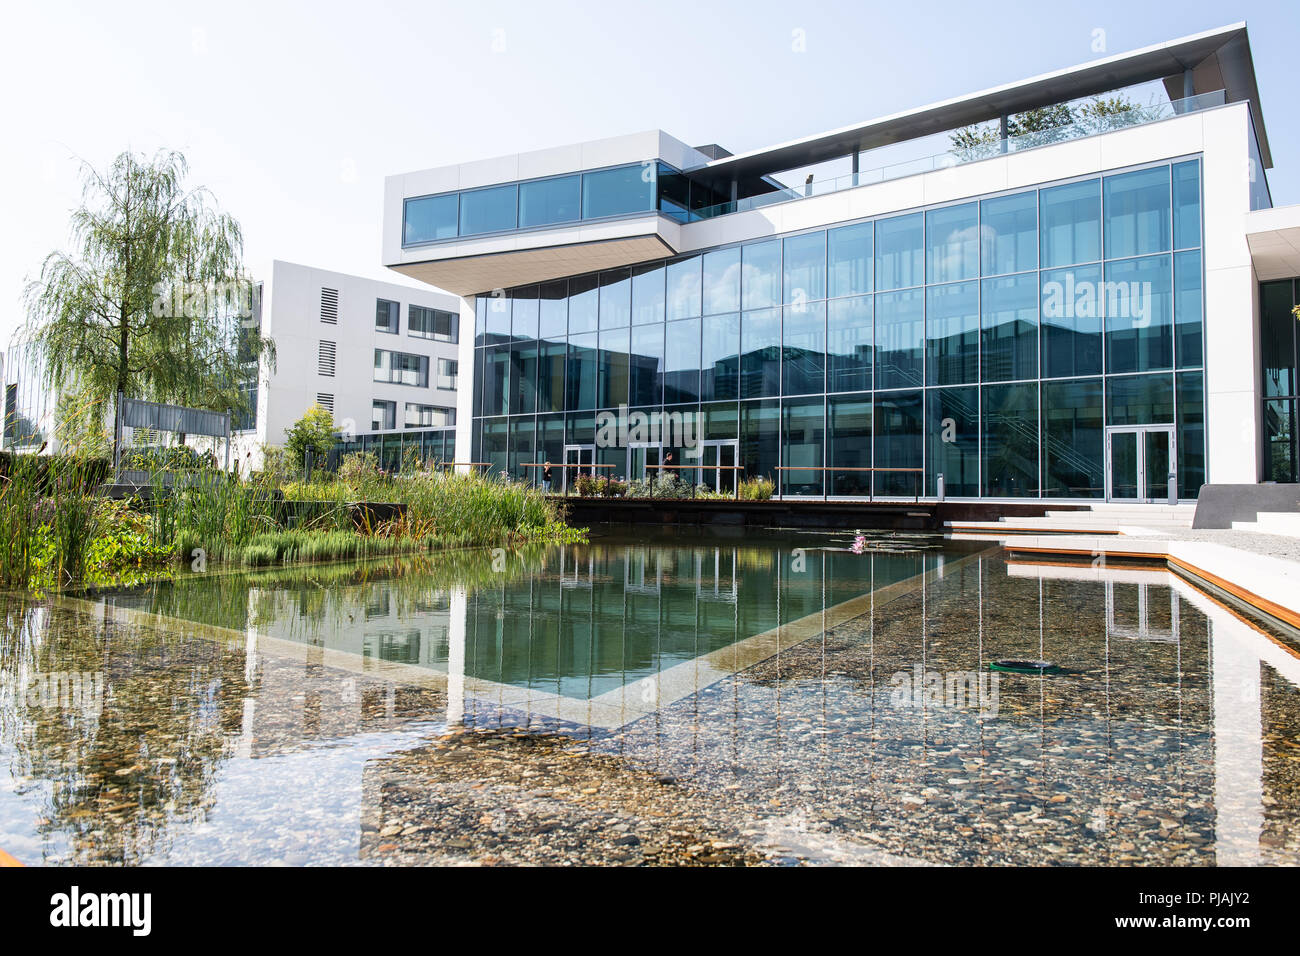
x: 871, y: 491
x: 567, y: 465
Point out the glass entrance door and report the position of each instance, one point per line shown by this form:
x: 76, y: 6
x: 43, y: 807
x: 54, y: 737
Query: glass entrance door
x: 643, y: 459
x: 578, y: 460
x: 1141, y: 462
x: 718, y: 459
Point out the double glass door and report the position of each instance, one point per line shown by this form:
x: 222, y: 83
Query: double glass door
x: 718, y: 459
x: 643, y: 459
x: 1141, y: 463
x: 578, y: 460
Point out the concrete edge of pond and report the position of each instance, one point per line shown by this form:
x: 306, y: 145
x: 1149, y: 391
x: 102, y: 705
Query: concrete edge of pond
x: 1269, y: 585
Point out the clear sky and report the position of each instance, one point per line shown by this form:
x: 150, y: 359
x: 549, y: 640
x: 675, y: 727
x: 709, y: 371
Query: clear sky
x: 293, y: 113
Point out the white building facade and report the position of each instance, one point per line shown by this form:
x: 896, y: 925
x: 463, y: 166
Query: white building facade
x: 382, y: 358
x: 1072, y: 313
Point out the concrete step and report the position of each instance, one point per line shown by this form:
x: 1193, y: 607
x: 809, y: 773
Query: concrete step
x: 1272, y: 522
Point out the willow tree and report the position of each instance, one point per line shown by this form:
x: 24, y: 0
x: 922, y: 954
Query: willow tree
x: 152, y: 301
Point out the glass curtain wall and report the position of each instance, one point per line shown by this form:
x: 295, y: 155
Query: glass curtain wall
x: 991, y: 341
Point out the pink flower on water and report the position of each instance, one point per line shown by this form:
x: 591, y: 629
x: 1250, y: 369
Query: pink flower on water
x: 859, y: 544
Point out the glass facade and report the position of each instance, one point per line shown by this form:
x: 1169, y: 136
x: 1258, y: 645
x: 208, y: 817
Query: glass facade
x: 992, y: 341
x: 1279, y: 335
x: 432, y: 445
x: 597, y: 194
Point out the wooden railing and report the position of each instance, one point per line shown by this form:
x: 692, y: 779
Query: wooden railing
x: 871, y: 487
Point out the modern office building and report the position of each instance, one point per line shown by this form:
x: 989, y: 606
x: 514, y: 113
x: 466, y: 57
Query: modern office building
x: 1081, y: 303
x: 381, y: 357
x: 29, y: 406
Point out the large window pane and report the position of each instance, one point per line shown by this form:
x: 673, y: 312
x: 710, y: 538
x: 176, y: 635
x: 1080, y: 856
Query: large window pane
x: 954, y: 432
x: 849, y: 259
x: 1139, y: 315
x: 1191, y: 433
x: 684, y: 288
x: 952, y: 243
x: 647, y: 365
x: 720, y: 363
x: 523, y: 312
x: 647, y: 294
x: 760, y: 439
x: 1009, y: 231
x: 582, y: 372
x: 1011, y: 440
x: 1009, y: 309
x: 1280, y: 441
x: 554, y: 309
x: 1277, y: 338
x: 1188, y: 309
x: 488, y: 210
x: 804, y: 349
x: 548, y: 201
x: 682, y: 361
x: 761, y: 274
x: 848, y: 444
x: 495, y: 445
x: 523, y: 372
x: 522, y: 450
x: 721, y: 281
x: 613, y: 368
x: 848, y: 347
x: 900, y: 252
x: 618, y: 192
x: 805, y: 268
x: 1071, y: 317
x: 550, y: 444
x: 803, y: 432
x: 760, y: 354
x: 496, y: 380
x: 1073, y: 439
x: 952, y: 323
x: 900, y: 339
x: 1069, y: 225
x: 584, y: 304
x: 899, y: 440
x: 615, y: 298
x: 497, y: 312
x: 1137, y: 213
x: 1187, y: 205
x: 550, y: 376
x: 430, y: 218
x: 1140, y: 400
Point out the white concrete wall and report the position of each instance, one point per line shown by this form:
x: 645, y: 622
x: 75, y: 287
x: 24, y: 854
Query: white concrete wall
x: 1232, y: 427
x: 291, y: 317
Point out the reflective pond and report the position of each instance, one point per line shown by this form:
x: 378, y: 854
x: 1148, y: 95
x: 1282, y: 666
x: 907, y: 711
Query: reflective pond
x: 669, y: 697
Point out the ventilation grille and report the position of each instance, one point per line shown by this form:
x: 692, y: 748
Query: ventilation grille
x: 325, y: 358
x: 326, y: 401
x: 329, y: 307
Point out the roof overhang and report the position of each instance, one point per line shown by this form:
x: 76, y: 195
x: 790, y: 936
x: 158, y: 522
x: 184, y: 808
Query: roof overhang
x: 473, y: 274
x: 1219, y: 60
x: 1274, y: 239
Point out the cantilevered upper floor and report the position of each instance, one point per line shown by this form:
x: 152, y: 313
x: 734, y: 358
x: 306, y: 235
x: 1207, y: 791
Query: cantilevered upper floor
x: 535, y: 216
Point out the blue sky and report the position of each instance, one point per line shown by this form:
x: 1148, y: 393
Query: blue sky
x: 292, y: 113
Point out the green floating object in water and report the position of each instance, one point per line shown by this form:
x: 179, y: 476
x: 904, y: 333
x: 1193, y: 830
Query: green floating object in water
x: 1014, y: 666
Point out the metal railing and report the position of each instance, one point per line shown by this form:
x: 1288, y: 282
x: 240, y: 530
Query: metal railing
x: 1093, y: 125
x: 871, y: 487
